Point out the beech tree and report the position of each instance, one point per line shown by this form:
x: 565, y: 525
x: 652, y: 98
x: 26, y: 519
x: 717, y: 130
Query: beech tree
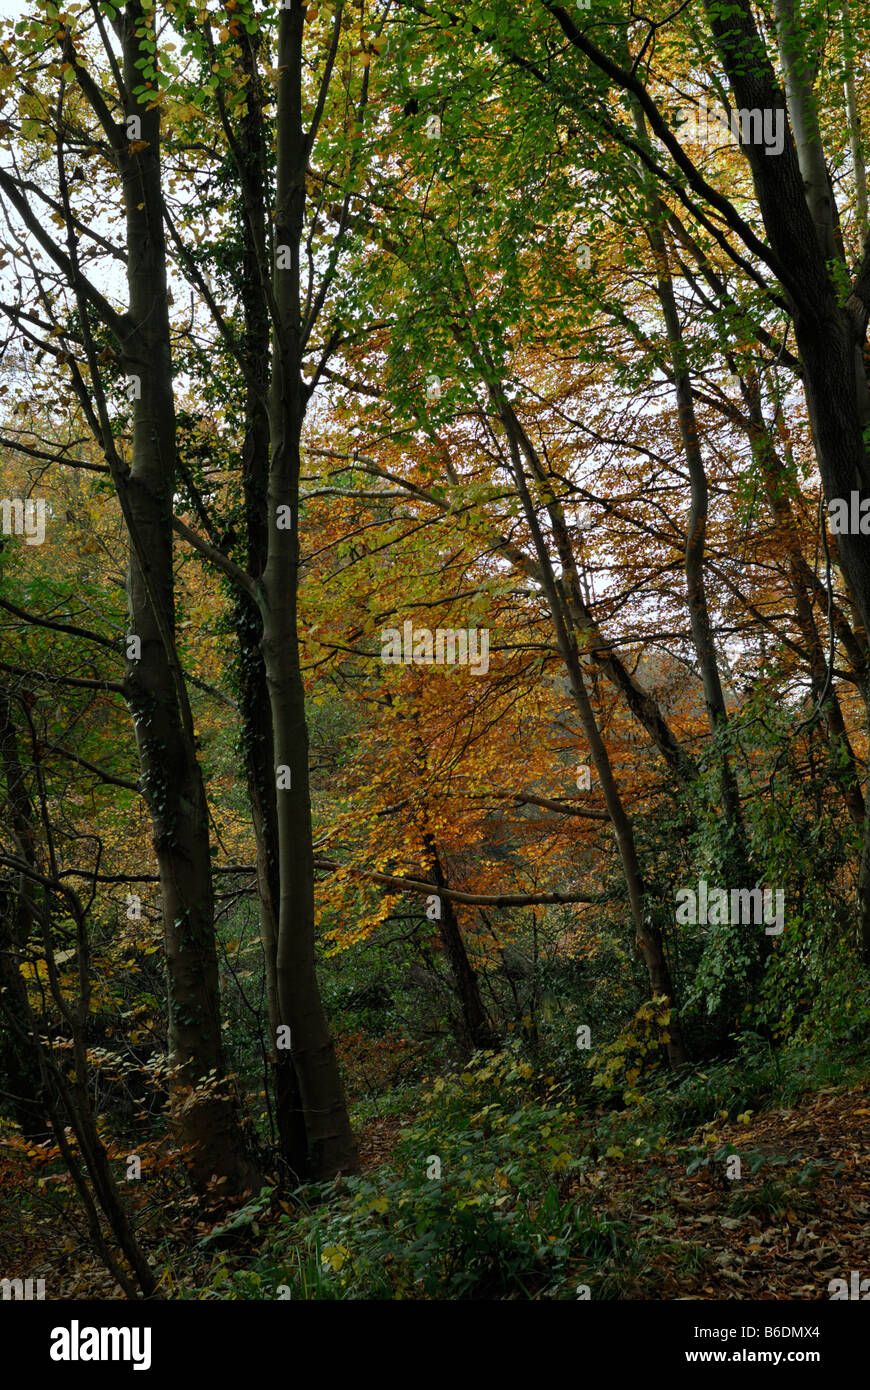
x: 123, y: 124
x: 456, y: 255
x: 388, y: 308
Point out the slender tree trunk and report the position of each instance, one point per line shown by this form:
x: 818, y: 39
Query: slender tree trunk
x: 331, y: 1147
x: 696, y: 532
x: 20, y: 1074
x: 640, y: 703
x: 829, y: 335
x: 736, y: 864
x: 56, y: 1097
x: 798, y: 72
x: 255, y: 708
x: 647, y: 935
x: 856, y: 140
x: 476, y: 1023
x: 773, y: 477
x: 207, y: 1125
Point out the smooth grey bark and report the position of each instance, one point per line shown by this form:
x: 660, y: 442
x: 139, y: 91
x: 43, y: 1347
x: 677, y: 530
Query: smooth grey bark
x: 331, y: 1147
x: 799, y: 73
x: 856, y: 139
x: 257, y: 740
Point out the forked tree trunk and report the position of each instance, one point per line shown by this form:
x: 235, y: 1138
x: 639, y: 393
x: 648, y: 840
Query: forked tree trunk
x: 255, y: 708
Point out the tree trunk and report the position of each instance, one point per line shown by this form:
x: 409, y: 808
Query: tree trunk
x: 54, y: 1103
x: 20, y: 1074
x: 829, y: 337
x: 647, y: 935
x: 823, y: 688
x: 255, y: 709
x: 856, y: 142
x: 331, y: 1147
x: 736, y: 865
x: 207, y: 1125
x: 476, y: 1024
x: 804, y: 117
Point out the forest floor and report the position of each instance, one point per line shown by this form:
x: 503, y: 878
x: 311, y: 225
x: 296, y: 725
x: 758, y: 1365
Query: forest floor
x: 697, y: 1235
x: 708, y: 1236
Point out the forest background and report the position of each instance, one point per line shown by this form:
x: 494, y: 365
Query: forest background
x: 326, y: 328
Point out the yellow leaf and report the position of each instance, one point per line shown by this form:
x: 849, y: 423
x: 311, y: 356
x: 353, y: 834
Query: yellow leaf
x: 335, y: 1256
